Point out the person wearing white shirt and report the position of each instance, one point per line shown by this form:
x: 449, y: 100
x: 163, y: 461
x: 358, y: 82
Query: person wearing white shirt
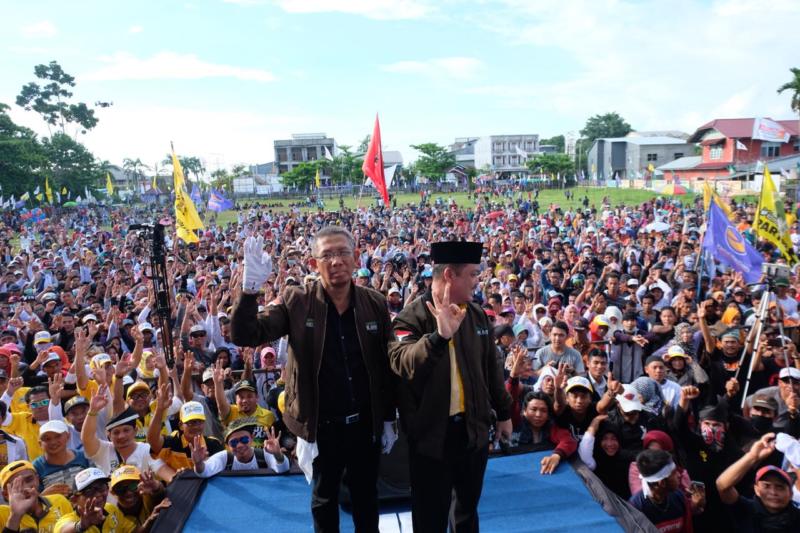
x: 657, y: 371
x: 240, y: 454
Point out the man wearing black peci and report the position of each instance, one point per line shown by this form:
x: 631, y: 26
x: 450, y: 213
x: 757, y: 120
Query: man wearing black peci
x: 338, y: 383
x: 445, y: 355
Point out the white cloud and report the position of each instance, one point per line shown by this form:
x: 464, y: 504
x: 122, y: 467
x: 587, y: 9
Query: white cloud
x: 461, y: 68
x: 374, y: 9
x: 170, y: 65
x: 135, y: 29
x: 40, y: 30
x: 660, y: 65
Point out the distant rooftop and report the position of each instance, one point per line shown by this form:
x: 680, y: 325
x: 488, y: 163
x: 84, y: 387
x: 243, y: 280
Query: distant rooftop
x: 665, y: 133
x: 645, y: 141
x: 308, y: 136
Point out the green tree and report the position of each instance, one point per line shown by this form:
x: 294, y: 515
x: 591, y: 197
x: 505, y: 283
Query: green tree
x: 608, y: 125
x: 52, y: 100
x: 794, y: 87
x: 364, y: 144
x: 70, y: 163
x: 551, y: 164
x: 345, y: 167
x: 133, y: 169
x: 557, y: 141
x: 434, y: 162
x: 222, y: 180
x: 301, y: 176
x: 192, y: 166
x: 22, y: 157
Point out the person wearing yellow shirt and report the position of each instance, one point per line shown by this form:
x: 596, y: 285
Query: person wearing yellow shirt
x: 93, y: 514
x: 137, y: 495
x: 27, y: 509
x: 26, y: 424
x: 246, y: 405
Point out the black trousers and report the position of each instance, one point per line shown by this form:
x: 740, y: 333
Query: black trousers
x: 454, y: 481
x: 351, y: 449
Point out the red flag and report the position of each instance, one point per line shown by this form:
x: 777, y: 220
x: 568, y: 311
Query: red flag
x: 373, y: 163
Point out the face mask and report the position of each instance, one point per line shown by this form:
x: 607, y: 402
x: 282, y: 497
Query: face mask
x: 291, y: 262
x: 713, y: 437
x: 762, y: 424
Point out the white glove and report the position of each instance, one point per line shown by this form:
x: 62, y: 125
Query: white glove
x: 389, y: 437
x: 257, y: 264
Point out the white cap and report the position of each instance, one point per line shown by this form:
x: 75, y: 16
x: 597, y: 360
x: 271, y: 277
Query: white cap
x: 88, y: 317
x: 578, y: 381
x: 100, y: 360
x: 394, y: 290
x: 789, y: 372
x: 629, y: 400
x: 52, y: 356
x: 144, y: 326
x: 87, y: 476
x: 53, y: 426
x: 41, y: 337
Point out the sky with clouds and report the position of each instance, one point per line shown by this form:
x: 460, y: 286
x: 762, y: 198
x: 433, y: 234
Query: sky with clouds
x: 224, y: 78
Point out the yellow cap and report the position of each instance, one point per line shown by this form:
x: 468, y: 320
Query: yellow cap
x: 124, y: 473
x: 136, y: 385
x: 12, y: 468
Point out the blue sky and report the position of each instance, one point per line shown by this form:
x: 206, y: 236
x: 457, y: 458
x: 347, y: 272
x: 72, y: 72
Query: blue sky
x: 223, y: 79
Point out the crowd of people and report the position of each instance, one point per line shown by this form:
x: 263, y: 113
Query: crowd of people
x: 299, y: 336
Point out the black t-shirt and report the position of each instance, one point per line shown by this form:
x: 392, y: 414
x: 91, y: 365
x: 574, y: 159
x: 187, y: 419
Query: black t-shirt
x: 750, y: 515
x: 577, y: 428
x: 673, y: 516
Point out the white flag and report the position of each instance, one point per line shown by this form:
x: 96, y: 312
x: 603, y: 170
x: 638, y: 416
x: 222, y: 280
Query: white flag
x: 328, y: 155
x: 740, y: 145
x: 36, y: 190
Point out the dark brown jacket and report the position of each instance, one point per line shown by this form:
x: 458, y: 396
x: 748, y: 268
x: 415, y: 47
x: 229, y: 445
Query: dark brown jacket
x: 302, y: 316
x: 421, y: 358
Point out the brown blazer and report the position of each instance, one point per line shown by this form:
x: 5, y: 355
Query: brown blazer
x: 302, y: 317
x: 421, y: 358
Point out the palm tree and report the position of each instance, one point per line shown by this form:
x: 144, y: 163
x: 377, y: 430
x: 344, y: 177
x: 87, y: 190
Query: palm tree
x: 133, y: 169
x: 794, y: 87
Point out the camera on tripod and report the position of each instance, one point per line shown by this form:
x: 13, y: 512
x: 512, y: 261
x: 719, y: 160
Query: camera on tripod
x: 773, y: 271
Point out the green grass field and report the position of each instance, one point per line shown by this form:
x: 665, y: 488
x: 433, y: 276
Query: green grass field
x: 546, y: 197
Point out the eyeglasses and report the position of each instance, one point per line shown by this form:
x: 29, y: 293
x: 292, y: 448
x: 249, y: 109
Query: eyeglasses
x: 233, y: 443
x: 327, y: 257
x: 122, y: 488
x: 792, y: 381
x: 139, y: 395
x: 40, y: 403
x: 198, y: 335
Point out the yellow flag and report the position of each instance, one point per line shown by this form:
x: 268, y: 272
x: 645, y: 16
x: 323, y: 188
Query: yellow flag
x: 109, y: 185
x: 154, y: 185
x: 770, y: 220
x: 316, y: 179
x: 63, y: 190
x: 47, y: 191
x: 651, y: 168
x: 709, y: 194
x: 39, y: 197
x: 186, y: 218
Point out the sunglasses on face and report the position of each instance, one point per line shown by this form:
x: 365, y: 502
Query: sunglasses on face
x: 94, y: 490
x: 139, y: 395
x: 122, y: 488
x: 790, y: 381
x: 40, y: 403
x: 235, y: 442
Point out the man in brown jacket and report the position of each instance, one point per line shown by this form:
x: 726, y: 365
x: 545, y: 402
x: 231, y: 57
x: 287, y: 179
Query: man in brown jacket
x: 451, y: 379
x: 339, y: 400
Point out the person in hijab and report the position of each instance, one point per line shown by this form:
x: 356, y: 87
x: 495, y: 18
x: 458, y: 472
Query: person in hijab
x: 601, y: 450
x: 539, y: 431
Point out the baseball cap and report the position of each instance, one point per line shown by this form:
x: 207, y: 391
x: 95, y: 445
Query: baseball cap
x: 507, y: 311
x: 125, y: 473
x: 88, y: 317
x: 578, y: 382
x: 601, y: 320
x: 42, y: 337
x: 74, y: 402
x: 633, y: 282
x: 629, y: 400
x: 53, y: 426
x: 247, y: 422
x: 493, y: 281
x: 244, y: 385
x: 765, y: 402
x: 675, y: 351
x: 197, y: 328
x: 137, y: 385
x: 87, y: 476
x: 789, y: 372
x: 51, y: 356
x: 192, y: 411
x: 208, y: 374
x: 363, y: 273
x: 513, y: 276
x: 781, y: 282
x: 100, y: 360
x: 146, y: 326
x: 394, y: 290
x: 772, y: 470
x: 12, y: 468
